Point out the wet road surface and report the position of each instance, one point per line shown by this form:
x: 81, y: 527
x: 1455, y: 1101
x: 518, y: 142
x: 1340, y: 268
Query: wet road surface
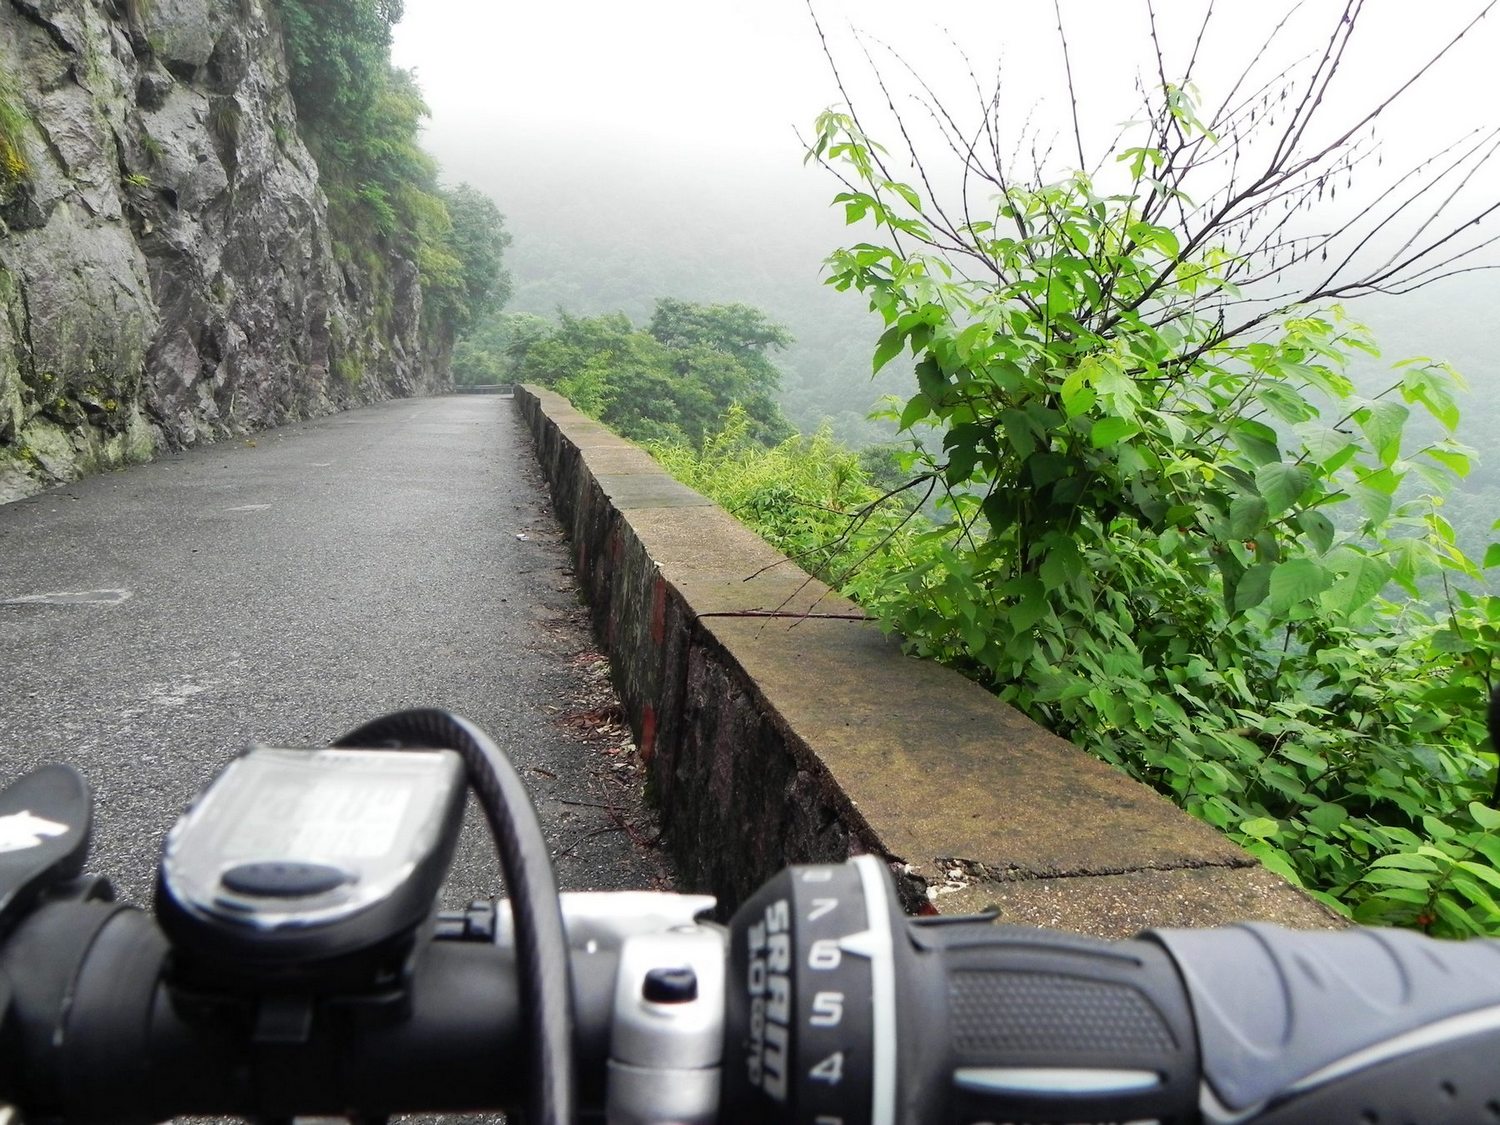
x: 287, y: 588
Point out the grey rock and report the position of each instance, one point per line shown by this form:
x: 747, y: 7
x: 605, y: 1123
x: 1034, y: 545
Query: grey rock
x: 184, y: 31
x: 16, y: 483
x: 151, y: 89
x: 181, y: 149
x: 166, y: 274
x: 12, y: 405
x: 75, y: 135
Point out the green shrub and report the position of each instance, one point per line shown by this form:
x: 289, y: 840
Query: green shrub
x: 1176, y: 532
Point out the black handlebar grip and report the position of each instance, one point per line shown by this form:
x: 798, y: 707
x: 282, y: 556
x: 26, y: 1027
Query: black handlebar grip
x: 1010, y: 1024
x: 91, y: 1032
x: 1364, y: 1025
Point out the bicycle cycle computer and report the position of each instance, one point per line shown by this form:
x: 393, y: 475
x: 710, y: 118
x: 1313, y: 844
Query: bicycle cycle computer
x: 292, y: 861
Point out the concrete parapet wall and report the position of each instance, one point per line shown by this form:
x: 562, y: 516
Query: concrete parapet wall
x: 780, y: 725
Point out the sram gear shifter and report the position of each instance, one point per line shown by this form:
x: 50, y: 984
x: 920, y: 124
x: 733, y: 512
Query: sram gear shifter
x: 843, y: 1012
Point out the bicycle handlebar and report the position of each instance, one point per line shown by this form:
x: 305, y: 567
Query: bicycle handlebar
x: 819, y: 1004
x: 1251, y: 1023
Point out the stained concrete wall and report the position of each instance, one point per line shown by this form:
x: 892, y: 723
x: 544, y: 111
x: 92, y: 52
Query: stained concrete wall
x: 780, y: 725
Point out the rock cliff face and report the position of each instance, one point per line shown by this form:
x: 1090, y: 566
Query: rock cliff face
x: 166, y: 274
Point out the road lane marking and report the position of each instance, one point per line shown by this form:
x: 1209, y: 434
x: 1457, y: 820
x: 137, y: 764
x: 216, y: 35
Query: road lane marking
x: 71, y: 597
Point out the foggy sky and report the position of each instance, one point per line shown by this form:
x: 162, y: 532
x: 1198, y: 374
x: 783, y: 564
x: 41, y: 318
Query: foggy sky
x: 680, y: 115
x: 711, y: 80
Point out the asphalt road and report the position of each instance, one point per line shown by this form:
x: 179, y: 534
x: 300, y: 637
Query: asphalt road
x: 287, y: 588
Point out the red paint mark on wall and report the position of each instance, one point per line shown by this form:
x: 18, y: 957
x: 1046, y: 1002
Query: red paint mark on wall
x: 658, y: 611
x: 648, y: 733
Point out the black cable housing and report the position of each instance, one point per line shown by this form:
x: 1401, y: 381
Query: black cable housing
x: 541, y: 941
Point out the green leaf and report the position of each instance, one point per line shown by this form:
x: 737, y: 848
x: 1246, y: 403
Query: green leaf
x: 1484, y: 816
x: 1325, y: 817
x: 1253, y: 587
x: 1281, y: 483
x: 930, y: 379
x: 1261, y: 827
x: 1456, y: 917
x: 1406, y: 861
x: 917, y: 409
x: 1310, y: 760
x: 1044, y: 468
x: 961, y: 462
x: 1256, y: 440
x: 1030, y: 605
x: 1328, y: 448
x: 1077, y: 395
x: 1390, y: 877
x: 1296, y: 581
x: 1480, y: 871
x: 1247, y: 515
x: 1318, y: 528
x: 1109, y: 431
x: 1372, y: 910
x: 1430, y: 385
x: 1492, y: 556
x: 1382, y: 423
x: 1475, y: 894
x: 970, y: 339
x: 1364, y: 578
x: 1489, y: 847
x: 1019, y: 432
x: 1274, y: 859
x: 1286, y: 402
x: 1374, y: 497
x: 907, y: 194
x: 889, y: 346
x: 1063, y: 563
x: 1455, y: 461
x: 1117, y: 389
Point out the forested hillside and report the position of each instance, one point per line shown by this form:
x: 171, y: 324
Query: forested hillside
x: 767, y: 250
x: 764, y: 248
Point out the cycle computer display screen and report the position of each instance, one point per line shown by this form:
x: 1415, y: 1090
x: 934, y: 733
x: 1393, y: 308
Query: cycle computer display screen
x: 311, y: 854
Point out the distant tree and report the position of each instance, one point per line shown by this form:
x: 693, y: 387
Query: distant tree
x: 482, y: 354
x: 744, y: 332
x: 479, y: 240
x: 674, y: 381
x: 723, y: 349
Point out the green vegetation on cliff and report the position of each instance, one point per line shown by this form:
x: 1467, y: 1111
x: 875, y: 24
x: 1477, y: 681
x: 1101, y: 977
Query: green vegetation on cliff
x: 13, y: 164
x: 361, y: 119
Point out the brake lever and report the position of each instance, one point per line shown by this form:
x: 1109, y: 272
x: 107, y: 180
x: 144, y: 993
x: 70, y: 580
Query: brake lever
x: 45, y: 821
